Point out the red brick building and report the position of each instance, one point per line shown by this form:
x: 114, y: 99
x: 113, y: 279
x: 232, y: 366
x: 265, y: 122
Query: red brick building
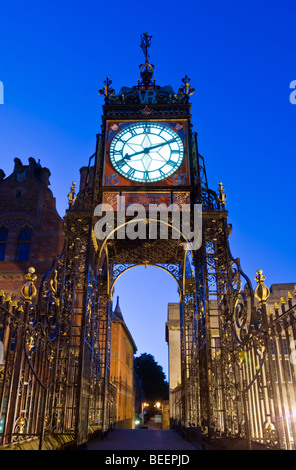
x: 122, y: 370
x: 30, y: 226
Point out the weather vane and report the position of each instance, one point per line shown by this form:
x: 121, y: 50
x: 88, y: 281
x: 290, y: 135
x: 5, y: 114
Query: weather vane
x: 145, y: 44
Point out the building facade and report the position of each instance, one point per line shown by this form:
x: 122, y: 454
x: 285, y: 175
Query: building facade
x: 122, y: 370
x: 30, y: 226
x: 174, y: 351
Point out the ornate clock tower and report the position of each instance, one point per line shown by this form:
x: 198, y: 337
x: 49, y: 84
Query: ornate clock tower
x: 144, y: 200
x: 146, y: 155
x: 146, y: 144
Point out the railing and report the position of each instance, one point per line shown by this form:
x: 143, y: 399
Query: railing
x: 268, y: 367
x: 252, y: 376
x: 27, y: 366
x: 39, y: 372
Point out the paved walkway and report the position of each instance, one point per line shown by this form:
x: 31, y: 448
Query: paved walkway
x: 141, y: 439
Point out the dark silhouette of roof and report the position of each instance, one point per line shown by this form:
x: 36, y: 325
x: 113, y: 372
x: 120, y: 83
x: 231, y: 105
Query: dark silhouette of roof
x: 118, y: 317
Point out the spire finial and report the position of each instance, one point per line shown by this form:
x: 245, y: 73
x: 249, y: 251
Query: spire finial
x: 146, y: 70
x: 222, y: 196
x: 186, y: 89
x: 107, y: 91
x: 145, y: 44
x: 72, y: 194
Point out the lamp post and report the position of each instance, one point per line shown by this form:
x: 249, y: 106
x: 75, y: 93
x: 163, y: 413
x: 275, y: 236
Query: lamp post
x: 143, y: 409
x: 158, y: 405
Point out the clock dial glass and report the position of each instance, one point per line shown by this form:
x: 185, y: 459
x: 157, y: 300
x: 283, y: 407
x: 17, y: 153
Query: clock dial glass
x: 146, y: 152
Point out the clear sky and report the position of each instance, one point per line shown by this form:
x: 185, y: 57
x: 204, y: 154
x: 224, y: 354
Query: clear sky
x: 241, y: 58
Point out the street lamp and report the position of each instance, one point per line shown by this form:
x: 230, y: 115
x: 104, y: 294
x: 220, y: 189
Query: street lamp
x: 144, y: 405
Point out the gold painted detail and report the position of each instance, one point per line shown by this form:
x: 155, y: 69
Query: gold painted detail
x: 261, y: 292
x: 29, y: 290
x: 222, y: 196
x: 72, y: 194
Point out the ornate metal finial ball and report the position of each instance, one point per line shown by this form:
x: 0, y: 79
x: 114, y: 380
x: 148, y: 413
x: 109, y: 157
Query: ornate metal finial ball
x: 261, y: 292
x: 29, y: 290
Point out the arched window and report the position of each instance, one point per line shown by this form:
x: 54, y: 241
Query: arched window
x: 3, y: 240
x: 23, y: 245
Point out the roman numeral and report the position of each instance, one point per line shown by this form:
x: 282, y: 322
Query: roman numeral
x: 147, y: 128
x: 130, y: 172
x: 120, y: 163
x: 146, y: 175
x: 133, y: 132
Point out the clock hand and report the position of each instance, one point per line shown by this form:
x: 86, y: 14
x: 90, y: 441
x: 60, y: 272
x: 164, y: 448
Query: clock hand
x: 160, y: 145
x: 147, y: 149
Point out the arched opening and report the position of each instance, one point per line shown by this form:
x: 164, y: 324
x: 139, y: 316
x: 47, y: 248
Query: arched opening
x: 144, y: 294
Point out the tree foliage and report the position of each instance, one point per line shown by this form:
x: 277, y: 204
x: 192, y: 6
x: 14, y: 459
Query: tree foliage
x: 153, y: 379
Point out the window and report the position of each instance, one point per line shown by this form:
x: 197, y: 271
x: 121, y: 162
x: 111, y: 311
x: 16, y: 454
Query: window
x: 23, y: 246
x: 272, y: 346
x: 285, y: 346
x: 3, y: 240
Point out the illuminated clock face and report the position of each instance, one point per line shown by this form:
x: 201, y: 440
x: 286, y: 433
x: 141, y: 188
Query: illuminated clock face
x: 146, y: 152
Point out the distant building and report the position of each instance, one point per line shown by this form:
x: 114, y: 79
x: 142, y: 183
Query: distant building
x: 123, y: 349
x: 174, y: 350
x: 30, y: 226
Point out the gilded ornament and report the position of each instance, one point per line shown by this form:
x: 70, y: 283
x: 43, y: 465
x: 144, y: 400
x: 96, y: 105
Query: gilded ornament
x: 222, y: 196
x: 71, y: 194
x: 261, y: 292
x: 29, y: 290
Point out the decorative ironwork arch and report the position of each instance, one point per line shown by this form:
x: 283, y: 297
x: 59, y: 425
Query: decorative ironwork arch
x: 112, y: 232
x: 174, y: 270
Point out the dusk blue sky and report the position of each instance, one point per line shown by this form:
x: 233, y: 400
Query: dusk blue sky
x: 241, y: 58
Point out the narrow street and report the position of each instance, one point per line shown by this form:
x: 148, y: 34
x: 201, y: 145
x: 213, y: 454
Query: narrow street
x: 142, y: 439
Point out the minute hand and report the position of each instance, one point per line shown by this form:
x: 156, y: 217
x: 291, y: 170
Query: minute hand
x: 127, y: 156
